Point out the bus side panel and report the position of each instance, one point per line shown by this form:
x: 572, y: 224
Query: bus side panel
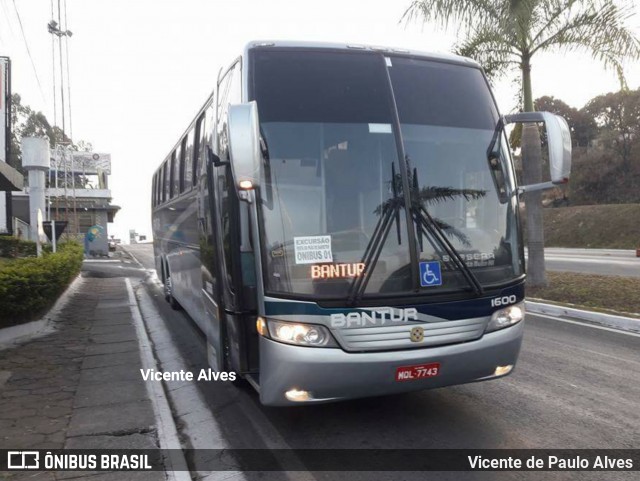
x: 184, y: 258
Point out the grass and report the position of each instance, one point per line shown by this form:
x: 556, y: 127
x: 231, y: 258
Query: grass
x: 593, y: 226
x: 593, y: 292
x: 5, y: 261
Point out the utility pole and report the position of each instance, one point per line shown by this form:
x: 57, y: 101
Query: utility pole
x: 56, y: 29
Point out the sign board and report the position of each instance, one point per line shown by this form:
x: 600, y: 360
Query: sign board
x: 61, y: 225
x: 81, y: 162
x: 313, y: 249
x: 5, y: 97
x: 430, y: 274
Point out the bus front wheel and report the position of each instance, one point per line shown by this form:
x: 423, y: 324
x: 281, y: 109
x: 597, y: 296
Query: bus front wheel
x: 168, y: 295
x: 239, y: 381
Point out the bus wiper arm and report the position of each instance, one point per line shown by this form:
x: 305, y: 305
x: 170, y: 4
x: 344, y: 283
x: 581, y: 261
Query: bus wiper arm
x: 430, y: 226
x: 371, y: 254
x: 494, y: 138
x: 389, y: 212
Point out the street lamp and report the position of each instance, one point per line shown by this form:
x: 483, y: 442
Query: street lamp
x: 52, y: 27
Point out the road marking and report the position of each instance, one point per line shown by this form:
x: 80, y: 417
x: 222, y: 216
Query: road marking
x: 166, y: 428
x: 585, y: 260
x: 213, y: 437
x: 133, y: 257
x: 618, y: 331
x: 102, y: 260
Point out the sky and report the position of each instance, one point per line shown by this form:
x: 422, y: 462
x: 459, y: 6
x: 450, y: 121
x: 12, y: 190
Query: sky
x: 141, y: 69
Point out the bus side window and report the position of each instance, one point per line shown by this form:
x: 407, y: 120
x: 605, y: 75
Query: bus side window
x: 170, y: 174
x: 187, y: 180
x: 185, y: 167
x: 225, y: 222
x: 198, y: 148
x: 156, y: 184
x: 166, y: 181
x: 175, y: 172
x: 156, y: 181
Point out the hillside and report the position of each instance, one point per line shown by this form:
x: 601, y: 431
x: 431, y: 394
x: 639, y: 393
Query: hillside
x: 593, y: 226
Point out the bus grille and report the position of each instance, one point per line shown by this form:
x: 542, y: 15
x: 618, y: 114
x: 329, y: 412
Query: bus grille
x: 399, y: 336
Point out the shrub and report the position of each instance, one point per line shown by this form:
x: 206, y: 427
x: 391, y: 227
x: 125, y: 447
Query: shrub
x: 13, y: 247
x: 29, y: 286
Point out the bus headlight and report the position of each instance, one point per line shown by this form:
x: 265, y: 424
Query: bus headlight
x: 506, y: 317
x: 301, y: 334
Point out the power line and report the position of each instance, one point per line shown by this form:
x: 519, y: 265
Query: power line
x: 24, y: 37
x: 66, y: 48
x: 6, y: 15
x: 61, y: 73
x: 53, y: 66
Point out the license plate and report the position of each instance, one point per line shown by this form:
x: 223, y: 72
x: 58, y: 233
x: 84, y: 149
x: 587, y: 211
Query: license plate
x: 421, y: 371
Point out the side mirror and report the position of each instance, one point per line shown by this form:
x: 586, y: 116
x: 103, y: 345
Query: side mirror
x: 559, y: 142
x: 244, y: 144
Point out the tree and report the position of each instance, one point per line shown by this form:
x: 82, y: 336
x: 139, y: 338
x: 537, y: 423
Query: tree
x: 503, y: 35
x: 618, y: 116
x: 26, y: 122
x: 581, y: 123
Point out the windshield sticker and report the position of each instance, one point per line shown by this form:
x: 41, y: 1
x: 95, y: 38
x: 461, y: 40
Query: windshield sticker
x: 477, y: 259
x: 336, y: 271
x: 430, y: 274
x: 379, y: 128
x: 313, y: 249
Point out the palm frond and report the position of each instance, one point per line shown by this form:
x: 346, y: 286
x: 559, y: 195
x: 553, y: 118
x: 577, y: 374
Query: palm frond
x: 486, y: 45
x: 452, y: 232
x: 598, y: 28
x: 463, y: 14
x: 433, y: 195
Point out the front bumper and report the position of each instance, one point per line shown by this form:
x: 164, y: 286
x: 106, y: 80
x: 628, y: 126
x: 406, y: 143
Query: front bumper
x: 333, y: 374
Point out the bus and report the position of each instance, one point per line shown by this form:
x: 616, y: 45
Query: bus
x: 342, y: 221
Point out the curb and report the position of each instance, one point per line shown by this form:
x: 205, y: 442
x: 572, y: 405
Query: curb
x: 175, y: 462
x: 23, y: 332
x: 608, y: 320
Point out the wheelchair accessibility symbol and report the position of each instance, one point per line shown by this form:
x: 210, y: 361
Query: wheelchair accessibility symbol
x: 430, y: 274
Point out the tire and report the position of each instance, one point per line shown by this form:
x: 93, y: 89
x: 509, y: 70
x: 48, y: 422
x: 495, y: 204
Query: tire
x: 168, y: 295
x: 240, y: 382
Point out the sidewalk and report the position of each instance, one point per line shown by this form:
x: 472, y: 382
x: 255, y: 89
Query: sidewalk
x: 80, y: 386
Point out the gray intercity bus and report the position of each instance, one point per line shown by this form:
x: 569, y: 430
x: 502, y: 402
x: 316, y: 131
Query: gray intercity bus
x: 342, y: 221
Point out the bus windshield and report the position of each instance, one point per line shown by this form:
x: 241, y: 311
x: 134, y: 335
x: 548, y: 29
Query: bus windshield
x: 345, y: 131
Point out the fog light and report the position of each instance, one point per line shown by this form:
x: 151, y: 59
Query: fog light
x: 245, y: 184
x: 503, y: 370
x: 296, y: 395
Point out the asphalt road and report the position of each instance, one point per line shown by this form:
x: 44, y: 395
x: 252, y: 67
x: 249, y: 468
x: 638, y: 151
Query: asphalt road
x: 575, y: 386
x: 593, y: 261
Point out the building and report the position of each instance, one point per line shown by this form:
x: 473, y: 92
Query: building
x: 77, y: 193
x: 10, y: 178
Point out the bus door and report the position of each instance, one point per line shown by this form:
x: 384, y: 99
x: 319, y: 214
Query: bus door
x: 210, y: 253
x: 237, y: 266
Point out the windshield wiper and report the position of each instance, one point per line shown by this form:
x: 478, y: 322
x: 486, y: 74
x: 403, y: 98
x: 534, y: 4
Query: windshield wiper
x: 389, y: 211
x: 427, y: 225
x: 495, y: 164
x: 494, y: 138
x: 431, y: 227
